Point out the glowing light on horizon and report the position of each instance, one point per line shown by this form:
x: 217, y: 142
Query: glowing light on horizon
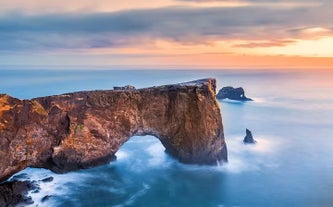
x: 308, y: 48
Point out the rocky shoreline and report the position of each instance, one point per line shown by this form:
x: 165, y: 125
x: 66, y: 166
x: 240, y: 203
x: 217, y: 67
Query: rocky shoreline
x: 15, y: 193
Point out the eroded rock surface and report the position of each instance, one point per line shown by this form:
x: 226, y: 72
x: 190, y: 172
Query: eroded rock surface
x: 83, y: 129
x: 232, y: 93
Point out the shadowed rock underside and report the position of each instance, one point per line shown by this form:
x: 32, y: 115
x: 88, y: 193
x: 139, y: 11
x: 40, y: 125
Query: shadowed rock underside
x: 84, y: 129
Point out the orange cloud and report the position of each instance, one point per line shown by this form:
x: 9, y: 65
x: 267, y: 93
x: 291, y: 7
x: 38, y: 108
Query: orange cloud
x: 265, y: 43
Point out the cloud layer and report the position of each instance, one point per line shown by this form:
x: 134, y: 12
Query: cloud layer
x: 183, y: 25
x: 163, y: 32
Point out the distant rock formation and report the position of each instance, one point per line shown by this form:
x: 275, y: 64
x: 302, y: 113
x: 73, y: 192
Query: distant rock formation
x: 127, y: 87
x: 248, y: 139
x: 84, y: 129
x: 231, y: 93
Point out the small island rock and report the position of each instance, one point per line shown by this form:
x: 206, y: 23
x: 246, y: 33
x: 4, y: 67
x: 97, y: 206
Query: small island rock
x: 232, y: 93
x: 46, y: 198
x: 47, y: 180
x: 248, y: 139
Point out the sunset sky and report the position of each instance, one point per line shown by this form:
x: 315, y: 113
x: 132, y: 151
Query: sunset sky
x: 180, y: 34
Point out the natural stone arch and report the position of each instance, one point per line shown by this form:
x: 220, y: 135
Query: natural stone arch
x: 84, y: 129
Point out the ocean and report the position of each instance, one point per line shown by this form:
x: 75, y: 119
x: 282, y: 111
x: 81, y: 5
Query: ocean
x: 291, y: 119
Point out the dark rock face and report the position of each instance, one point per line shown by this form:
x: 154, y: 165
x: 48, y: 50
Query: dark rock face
x: 84, y: 129
x: 231, y: 93
x: 14, y: 193
x: 248, y: 139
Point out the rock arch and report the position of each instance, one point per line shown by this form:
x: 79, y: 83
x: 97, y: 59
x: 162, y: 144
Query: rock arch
x: 83, y: 129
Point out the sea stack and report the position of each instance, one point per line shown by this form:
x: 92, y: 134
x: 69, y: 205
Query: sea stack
x: 84, y: 129
x: 232, y: 93
x: 248, y: 139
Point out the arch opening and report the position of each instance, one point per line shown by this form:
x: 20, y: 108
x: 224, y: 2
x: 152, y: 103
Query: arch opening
x: 143, y: 152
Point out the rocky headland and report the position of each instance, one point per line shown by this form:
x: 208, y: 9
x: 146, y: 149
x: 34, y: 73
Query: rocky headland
x: 84, y: 129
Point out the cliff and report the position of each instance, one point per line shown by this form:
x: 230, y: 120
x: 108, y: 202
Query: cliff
x: 84, y: 129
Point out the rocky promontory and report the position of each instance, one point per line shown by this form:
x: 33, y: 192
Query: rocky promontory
x: 84, y: 129
x: 232, y: 93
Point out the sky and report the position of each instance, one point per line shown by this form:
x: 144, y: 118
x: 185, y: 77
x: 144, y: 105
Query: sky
x: 167, y: 34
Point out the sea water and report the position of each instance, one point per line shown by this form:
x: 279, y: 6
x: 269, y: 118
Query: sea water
x: 291, y: 118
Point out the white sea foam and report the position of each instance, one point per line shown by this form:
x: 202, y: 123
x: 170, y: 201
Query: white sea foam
x: 136, y: 195
x: 56, y: 188
x: 131, y: 200
x: 142, y: 153
x: 251, y: 157
x: 242, y: 157
x: 232, y: 101
x: 122, y: 155
x: 259, y: 100
x: 157, y: 154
